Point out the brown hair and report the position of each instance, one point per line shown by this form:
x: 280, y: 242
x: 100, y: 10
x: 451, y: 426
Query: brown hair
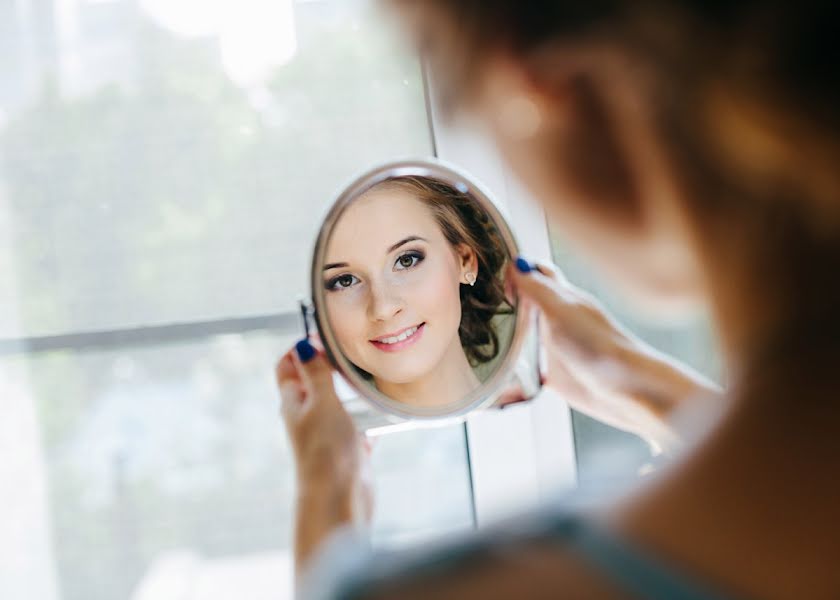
x: 757, y: 79
x: 745, y: 95
x: 463, y: 221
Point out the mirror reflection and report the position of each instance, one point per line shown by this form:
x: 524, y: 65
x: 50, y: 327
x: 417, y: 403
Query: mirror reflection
x: 414, y: 290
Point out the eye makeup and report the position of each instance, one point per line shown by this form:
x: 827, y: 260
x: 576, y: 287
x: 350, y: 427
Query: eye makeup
x: 340, y: 282
x: 404, y: 262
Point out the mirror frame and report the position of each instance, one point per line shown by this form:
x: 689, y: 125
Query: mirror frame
x: 484, y: 395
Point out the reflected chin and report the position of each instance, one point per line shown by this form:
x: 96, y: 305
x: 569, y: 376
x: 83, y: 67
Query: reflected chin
x: 404, y: 362
x: 402, y: 370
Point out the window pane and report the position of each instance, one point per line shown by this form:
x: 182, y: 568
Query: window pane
x: 422, y: 485
x: 167, y: 468
x: 606, y: 455
x: 165, y: 465
x: 158, y: 165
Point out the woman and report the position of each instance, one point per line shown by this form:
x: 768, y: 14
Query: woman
x: 412, y: 284
x: 690, y: 149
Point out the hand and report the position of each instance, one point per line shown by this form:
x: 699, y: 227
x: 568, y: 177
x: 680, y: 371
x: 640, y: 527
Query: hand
x: 330, y: 456
x: 599, y: 368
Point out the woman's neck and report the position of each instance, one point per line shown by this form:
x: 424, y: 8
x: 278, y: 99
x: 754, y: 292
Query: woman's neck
x: 451, y: 380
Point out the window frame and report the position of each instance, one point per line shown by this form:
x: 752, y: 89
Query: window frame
x: 525, y: 455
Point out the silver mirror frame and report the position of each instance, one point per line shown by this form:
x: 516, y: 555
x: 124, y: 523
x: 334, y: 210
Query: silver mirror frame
x: 486, y: 393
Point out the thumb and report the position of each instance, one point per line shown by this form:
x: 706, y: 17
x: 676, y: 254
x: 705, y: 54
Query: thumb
x: 539, y: 285
x: 289, y: 384
x: 314, y: 368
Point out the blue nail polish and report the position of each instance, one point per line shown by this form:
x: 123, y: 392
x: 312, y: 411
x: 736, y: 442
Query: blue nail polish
x: 523, y: 266
x: 305, y: 350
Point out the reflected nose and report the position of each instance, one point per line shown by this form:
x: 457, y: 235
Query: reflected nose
x: 384, y: 303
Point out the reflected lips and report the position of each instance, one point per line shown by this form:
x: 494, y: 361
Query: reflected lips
x: 394, y: 344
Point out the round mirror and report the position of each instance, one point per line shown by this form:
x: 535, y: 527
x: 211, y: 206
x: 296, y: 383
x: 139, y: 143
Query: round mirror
x: 410, y: 298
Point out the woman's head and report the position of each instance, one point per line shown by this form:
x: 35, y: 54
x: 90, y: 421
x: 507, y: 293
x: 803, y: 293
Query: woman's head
x: 399, y: 267
x: 664, y: 137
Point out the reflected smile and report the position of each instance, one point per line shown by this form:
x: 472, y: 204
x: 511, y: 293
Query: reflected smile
x: 398, y: 340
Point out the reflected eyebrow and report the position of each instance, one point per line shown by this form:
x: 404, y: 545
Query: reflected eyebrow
x: 411, y: 238
x: 329, y: 266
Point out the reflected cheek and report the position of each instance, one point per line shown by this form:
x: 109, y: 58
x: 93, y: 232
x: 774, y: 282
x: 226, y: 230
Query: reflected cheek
x: 433, y: 297
x: 346, y: 315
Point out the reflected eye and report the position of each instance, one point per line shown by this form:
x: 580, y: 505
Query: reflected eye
x: 342, y: 282
x: 408, y: 260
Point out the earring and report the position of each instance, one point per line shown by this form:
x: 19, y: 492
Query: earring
x: 470, y: 277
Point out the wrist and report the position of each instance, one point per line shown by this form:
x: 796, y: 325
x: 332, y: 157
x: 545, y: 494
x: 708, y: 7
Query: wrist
x: 320, y: 511
x: 324, y: 492
x: 322, y: 468
x: 658, y: 385
x: 654, y: 380
x: 652, y: 385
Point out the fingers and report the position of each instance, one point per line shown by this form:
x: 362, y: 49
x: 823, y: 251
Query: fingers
x: 286, y: 371
x: 312, y: 366
x: 290, y: 386
x: 546, y: 285
x: 551, y: 271
x: 303, y: 373
x: 543, y: 290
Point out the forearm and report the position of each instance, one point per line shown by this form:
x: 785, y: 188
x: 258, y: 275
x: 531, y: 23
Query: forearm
x: 660, y: 385
x: 320, y: 510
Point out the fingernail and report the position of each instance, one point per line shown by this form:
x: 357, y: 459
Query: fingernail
x: 305, y: 350
x: 523, y: 266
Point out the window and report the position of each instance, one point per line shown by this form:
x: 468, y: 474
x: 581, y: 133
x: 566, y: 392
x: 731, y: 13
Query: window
x: 163, y: 169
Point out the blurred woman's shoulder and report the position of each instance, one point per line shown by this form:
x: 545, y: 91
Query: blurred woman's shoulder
x: 550, y: 553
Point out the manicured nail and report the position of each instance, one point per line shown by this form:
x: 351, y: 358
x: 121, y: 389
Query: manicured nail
x: 523, y: 266
x: 305, y: 350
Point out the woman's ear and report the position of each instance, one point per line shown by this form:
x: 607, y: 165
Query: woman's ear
x: 565, y: 119
x: 468, y: 263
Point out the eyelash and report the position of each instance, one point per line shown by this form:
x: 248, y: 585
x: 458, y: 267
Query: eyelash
x: 332, y: 284
x: 417, y: 256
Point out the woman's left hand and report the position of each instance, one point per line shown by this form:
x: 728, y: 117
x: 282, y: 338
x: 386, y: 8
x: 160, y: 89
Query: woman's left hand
x: 331, y: 457
x: 600, y: 368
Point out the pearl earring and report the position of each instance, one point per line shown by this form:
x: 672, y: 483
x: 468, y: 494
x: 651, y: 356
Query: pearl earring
x: 470, y: 277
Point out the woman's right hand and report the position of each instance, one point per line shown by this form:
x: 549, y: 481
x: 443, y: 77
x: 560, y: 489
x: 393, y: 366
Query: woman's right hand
x: 334, y: 489
x: 599, y: 368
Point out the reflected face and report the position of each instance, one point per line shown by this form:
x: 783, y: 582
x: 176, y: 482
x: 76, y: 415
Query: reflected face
x: 392, y: 285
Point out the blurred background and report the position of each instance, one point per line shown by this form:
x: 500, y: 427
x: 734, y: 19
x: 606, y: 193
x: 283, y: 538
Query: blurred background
x: 164, y: 166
